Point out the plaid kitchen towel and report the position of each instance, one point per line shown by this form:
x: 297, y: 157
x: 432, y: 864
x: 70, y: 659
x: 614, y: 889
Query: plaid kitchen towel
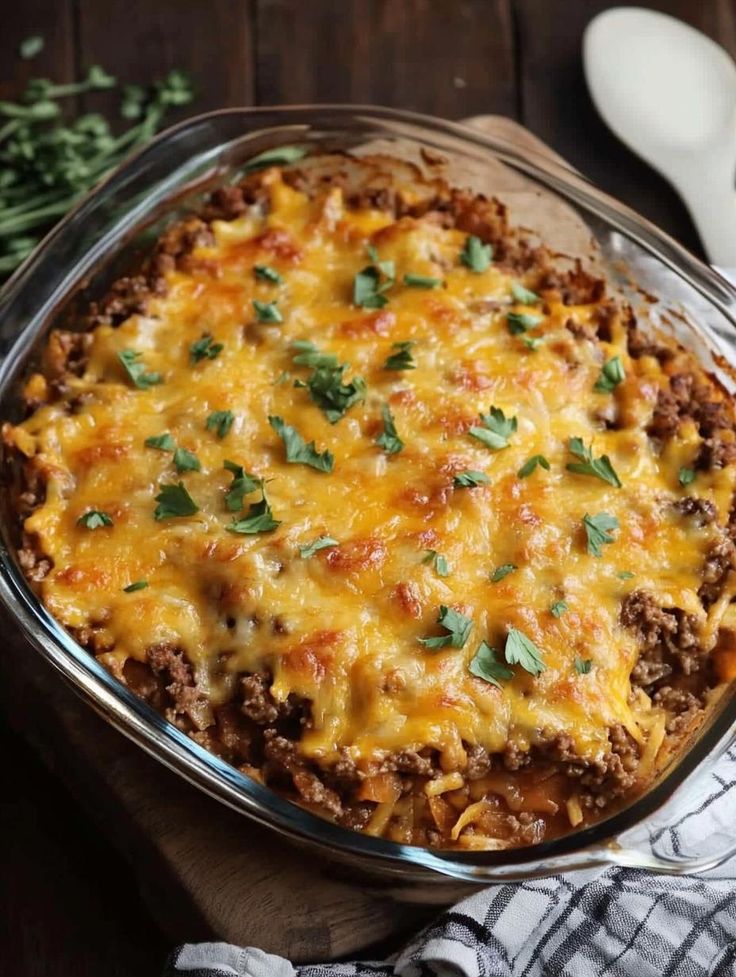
x: 618, y: 922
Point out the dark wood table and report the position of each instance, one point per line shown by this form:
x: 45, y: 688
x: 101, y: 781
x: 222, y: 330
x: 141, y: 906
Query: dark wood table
x: 70, y: 905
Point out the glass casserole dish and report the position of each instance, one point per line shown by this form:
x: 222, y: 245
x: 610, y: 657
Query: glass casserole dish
x: 119, y: 220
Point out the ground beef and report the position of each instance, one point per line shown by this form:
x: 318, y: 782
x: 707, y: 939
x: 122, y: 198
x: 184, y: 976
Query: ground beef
x: 258, y: 703
x: 33, y: 563
x: 479, y: 763
x: 423, y: 764
x: 186, y: 700
x: 682, y: 704
x: 283, y: 761
x: 668, y: 639
x: 716, y: 453
x: 65, y: 354
x: 641, y: 613
x: 702, y: 511
x: 576, y: 286
x: 718, y: 563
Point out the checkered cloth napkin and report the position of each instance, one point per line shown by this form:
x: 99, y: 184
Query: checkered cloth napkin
x: 618, y: 922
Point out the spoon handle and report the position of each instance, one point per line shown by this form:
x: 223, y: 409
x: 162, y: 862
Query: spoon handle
x: 706, y: 184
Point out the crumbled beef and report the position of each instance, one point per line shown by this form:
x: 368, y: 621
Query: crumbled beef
x: 682, y: 704
x: 716, y: 453
x: 168, y: 661
x: 718, y: 563
x: 641, y: 613
x: 668, y: 639
x: 283, y: 760
x: 34, y: 564
x: 702, y: 511
x: 479, y: 763
x: 421, y: 764
x: 65, y: 354
x: 576, y: 286
x: 258, y: 703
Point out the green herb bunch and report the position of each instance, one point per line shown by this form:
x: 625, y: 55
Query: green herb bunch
x: 48, y: 162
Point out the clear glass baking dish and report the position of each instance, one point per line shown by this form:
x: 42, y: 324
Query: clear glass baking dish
x: 103, y: 236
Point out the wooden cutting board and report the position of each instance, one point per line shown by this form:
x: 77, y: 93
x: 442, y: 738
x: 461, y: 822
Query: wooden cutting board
x: 204, y: 871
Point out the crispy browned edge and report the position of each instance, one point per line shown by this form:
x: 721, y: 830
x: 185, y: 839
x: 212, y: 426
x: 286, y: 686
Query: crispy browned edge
x: 259, y: 735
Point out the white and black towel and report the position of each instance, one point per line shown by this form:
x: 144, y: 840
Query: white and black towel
x: 615, y: 923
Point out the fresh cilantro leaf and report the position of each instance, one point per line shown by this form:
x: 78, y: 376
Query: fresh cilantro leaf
x: 529, y: 466
x: 583, y: 665
x: 402, y: 358
x: 598, y: 531
x: 599, y: 467
x: 130, y: 358
x: 309, y: 355
x: 558, y: 608
x: 476, y: 255
x: 162, y: 442
x: 436, y: 560
x: 532, y: 342
x: 367, y: 290
x: 496, y: 430
x: 521, y: 322
x: 457, y: 625
x: 329, y: 392
x: 321, y: 543
x: 31, y: 46
x: 625, y: 575
x: 297, y: 449
x: 259, y: 519
x: 243, y: 484
x: 503, y: 571
x: 174, y: 500
x: 267, y: 274
x: 422, y: 281
x: 686, y: 476
x: 485, y: 665
x: 220, y: 421
x: 386, y: 268
x: 612, y: 373
x: 267, y: 312
x: 280, y: 156
x: 137, y: 585
x: 523, y: 295
x: 520, y: 650
x: 185, y: 461
x: 389, y: 440
x: 94, y: 519
x: 470, y: 479
x: 205, y: 348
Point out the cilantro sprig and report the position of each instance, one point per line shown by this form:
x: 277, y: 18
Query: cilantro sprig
x: 94, y: 519
x: 457, y: 626
x: 484, y: 664
x: 421, y: 281
x: 529, y: 466
x: 389, y: 438
x: 588, y: 465
x: 267, y: 312
x: 259, y: 519
x: 476, y: 255
x: 205, y: 348
x: 371, y: 284
x: 470, y: 479
x: 402, y: 358
x: 325, y: 385
x: 503, y: 571
x: 438, y: 562
x: 243, y: 484
x: 611, y: 375
x: 321, y: 543
x: 521, y: 650
x: 136, y: 370
x: 174, y: 501
x: 496, y: 429
x: 598, y: 531
x: 220, y: 421
x: 297, y: 449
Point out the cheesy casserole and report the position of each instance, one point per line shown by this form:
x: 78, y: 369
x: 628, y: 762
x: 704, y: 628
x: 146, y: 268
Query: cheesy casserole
x: 389, y: 507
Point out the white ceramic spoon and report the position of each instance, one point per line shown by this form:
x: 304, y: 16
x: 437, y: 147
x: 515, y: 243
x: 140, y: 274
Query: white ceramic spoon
x: 669, y: 93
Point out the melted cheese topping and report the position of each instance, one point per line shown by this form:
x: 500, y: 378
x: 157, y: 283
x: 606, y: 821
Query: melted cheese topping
x: 342, y: 628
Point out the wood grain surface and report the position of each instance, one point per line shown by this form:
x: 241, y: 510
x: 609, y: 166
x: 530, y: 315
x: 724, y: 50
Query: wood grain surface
x: 71, y: 873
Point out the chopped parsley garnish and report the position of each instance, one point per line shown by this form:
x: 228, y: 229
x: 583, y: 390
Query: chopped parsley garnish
x: 267, y: 274
x: 438, y: 562
x: 329, y: 392
x: 370, y: 284
x: 598, y: 531
x: 131, y: 360
x: 136, y: 585
x: 470, y: 479
x: 485, y: 665
x: 523, y: 295
x: 220, y: 421
x: 588, y: 465
x: 308, y: 355
x: 532, y: 342
x: 205, y: 348
x: 243, y: 484
x: 389, y: 440
x: 281, y: 156
x: 174, y: 500
x: 162, y: 442
x: 31, y: 46
x: 476, y: 255
x: 458, y: 629
x: 496, y: 430
x: 259, y: 519
x: 520, y: 650
x: 529, y: 466
x: 298, y: 452
x: 503, y: 571
x: 402, y: 358
x: 94, y: 519
x: 185, y: 461
x: 267, y: 312
x: 625, y: 575
x: 686, y: 476
x: 422, y: 281
x: 321, y: 543
x: 558, y: 608
x: 612, y: 373
x: 583, y: 665
x: 521, y: 322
